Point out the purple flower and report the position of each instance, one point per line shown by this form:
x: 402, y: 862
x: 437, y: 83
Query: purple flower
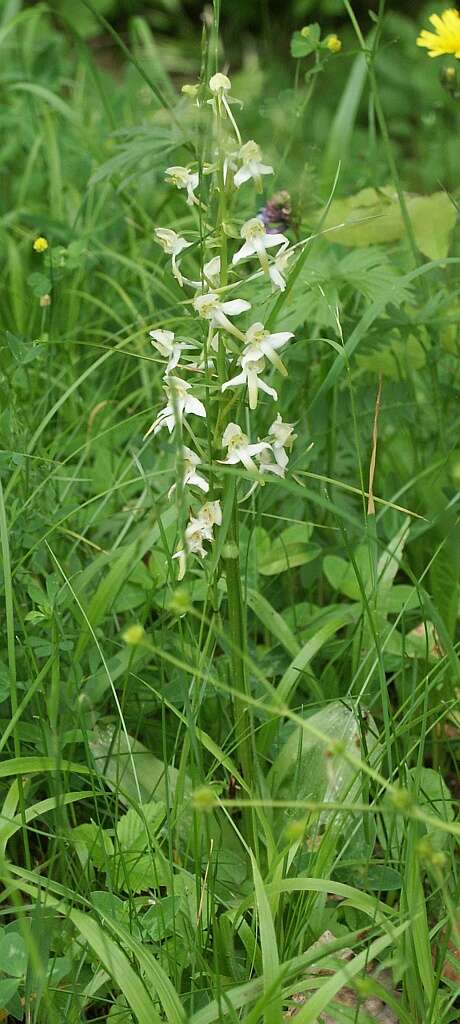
x: 276, y: 215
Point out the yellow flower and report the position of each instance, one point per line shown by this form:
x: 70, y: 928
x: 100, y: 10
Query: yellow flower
x: 40, y: 244
x: 133, y: 635
x: 334, y: 44
x: 446, y: 39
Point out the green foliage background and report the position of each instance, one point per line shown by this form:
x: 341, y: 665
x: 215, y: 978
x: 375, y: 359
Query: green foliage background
x: 128, y: 894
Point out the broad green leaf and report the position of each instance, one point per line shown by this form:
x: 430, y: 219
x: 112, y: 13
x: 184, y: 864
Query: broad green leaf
x: 140, y: 872
x: 136, y: 826
x: 8, y: 988
x: 290, y: 549
x: 433, y: 219
x: 342, y: 577
x: 390, y: 354
x: 129, y: 765
x: 159, y: 919
x: 34, y: 765
x: 389, y: 562
x: 301, y: 771
x: 13, y: 954
x: 273, y: 621
x: 373, y: 216
x: 292, y: 675
x: 306, y: 41
x: 93, y: 844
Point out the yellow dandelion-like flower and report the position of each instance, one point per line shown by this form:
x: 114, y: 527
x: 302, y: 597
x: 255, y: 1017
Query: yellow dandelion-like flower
x: 40, y: 244
x: 334, y: 44
x: 446, y: 39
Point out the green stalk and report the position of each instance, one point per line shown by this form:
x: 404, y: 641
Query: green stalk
x: 11, y: 649
x: 231, y: 555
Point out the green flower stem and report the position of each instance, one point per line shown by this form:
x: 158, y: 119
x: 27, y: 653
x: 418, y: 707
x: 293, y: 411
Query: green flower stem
x: 231, y: 560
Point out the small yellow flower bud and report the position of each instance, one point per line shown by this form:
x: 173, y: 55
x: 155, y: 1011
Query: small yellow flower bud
x: 449, y: 80
x: 179, y: 602
x: 305, y: 31
x: 334, y: 44
x: 295, y: 830
x: 190, y: 90
x: 133, y: 635
x: 40, y: 244
x: 400, y: 798
x: 203, y: 799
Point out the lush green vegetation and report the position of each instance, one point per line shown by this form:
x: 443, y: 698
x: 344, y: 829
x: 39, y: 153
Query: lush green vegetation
x: 228, y: 687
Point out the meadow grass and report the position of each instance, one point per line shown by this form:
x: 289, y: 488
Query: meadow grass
x: 233, y: 795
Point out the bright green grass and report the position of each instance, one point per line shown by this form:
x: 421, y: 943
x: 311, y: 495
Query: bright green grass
x: 144, y: 877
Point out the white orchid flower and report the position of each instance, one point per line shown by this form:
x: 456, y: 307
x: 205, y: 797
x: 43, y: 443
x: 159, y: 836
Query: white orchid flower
x: 211, y: 272
x: 193, y: 541
x: 182, y: 177
x: 168, y: 347
x: 260, y: 342
x: 278, y: 268
x: 267, y: 465
x: 251, y: 165
x: 281, y: 436
x: 172, y: 244
x: 239, y: 448
x: 198, y: 530
x: 190, y: 462
x: 211, y: 308
x: 257, y: 241
x: 180, y: 404
x: 211, y: 513
x: 220, y: 86
x: 250, y: 376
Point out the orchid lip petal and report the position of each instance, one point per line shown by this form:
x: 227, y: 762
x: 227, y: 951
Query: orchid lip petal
x: 235, y: 306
